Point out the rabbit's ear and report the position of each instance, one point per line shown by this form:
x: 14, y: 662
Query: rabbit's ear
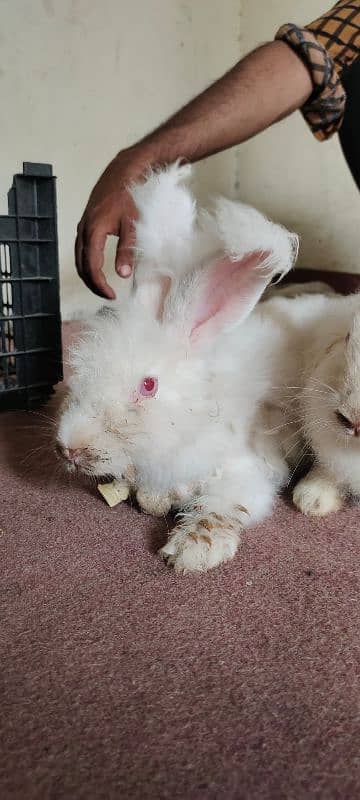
x: 166, y: 218
x: 165, y: 233
x: 222, y: 294
x: 231, y: 289
x: 152, y: 294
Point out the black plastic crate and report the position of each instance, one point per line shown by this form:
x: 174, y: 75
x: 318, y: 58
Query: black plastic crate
x: 30, y: 323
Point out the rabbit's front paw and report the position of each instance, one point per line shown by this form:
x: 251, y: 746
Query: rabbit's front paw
x: 201, y: 545
x: 155, y: 504
x: 317, y: 496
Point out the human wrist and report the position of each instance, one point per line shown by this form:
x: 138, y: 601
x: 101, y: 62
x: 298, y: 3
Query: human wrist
x: 156, y: 150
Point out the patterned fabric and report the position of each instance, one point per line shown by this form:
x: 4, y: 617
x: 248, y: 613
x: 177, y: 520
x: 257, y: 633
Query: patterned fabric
x: 327, y: 46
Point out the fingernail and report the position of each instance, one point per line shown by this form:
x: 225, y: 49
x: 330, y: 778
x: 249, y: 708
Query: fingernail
x: 125, y: 270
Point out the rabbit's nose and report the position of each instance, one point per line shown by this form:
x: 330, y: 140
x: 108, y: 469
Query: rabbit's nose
x: 353, y: 427
x: 73, y: 453
x: 70, y: 453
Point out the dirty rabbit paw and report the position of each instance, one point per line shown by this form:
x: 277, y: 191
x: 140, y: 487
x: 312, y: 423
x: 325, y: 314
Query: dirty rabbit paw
x: 202, y: 545
x: 316, y: 496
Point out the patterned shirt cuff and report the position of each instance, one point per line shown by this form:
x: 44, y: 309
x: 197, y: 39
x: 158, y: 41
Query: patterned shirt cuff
x: 324, y: 110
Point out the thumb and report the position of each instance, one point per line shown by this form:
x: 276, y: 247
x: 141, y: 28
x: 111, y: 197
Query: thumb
x: 124, y: 260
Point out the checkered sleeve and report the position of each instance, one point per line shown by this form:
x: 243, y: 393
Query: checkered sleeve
x: 326, y: 46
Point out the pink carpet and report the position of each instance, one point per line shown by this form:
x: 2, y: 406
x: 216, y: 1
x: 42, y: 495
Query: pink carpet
x: 121, y: 680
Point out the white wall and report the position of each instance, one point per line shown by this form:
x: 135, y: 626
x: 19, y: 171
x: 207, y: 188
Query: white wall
x: 80, y: 79
x: 287, y: 173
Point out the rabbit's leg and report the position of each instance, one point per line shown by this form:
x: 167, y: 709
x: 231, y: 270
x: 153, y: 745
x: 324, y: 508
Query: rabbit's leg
x: 153, y: 503
x: 158, y: 504
x: 317, y: 494
x: 209, y: 532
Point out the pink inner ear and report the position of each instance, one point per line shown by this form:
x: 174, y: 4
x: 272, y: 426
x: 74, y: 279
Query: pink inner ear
x: 232, y: 289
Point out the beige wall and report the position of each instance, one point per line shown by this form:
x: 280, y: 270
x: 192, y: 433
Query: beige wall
x: 80, y: 78
x: 290, y: 175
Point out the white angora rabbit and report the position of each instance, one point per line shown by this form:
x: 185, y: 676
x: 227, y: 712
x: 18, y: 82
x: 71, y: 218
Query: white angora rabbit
x: 167, y: 387
x: 326, y: 408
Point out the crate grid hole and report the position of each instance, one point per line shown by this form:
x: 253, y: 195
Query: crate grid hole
x: 7, y: 361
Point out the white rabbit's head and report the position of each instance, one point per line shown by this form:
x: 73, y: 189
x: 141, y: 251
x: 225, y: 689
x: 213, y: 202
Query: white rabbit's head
x: 142, y: 385
x: 332, y: 394
x: 348, y: 410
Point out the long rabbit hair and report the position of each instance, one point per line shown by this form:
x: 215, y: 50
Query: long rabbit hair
x: 171, y: 389
x: 325, y: 410
x: 322, y: 418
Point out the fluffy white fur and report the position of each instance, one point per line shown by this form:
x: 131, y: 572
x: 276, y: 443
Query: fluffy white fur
x: 167, y: 219
x: 200, y: 444
x: 327, y: 330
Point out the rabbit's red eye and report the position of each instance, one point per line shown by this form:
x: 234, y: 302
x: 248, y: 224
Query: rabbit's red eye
x: 148, y: 386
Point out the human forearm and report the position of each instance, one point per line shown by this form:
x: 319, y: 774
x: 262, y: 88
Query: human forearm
x: 266, y: 86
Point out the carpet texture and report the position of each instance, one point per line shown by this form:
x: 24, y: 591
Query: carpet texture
x: 120, y: 679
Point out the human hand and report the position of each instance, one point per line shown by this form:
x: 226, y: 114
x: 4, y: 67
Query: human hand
x: 110, y: 211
